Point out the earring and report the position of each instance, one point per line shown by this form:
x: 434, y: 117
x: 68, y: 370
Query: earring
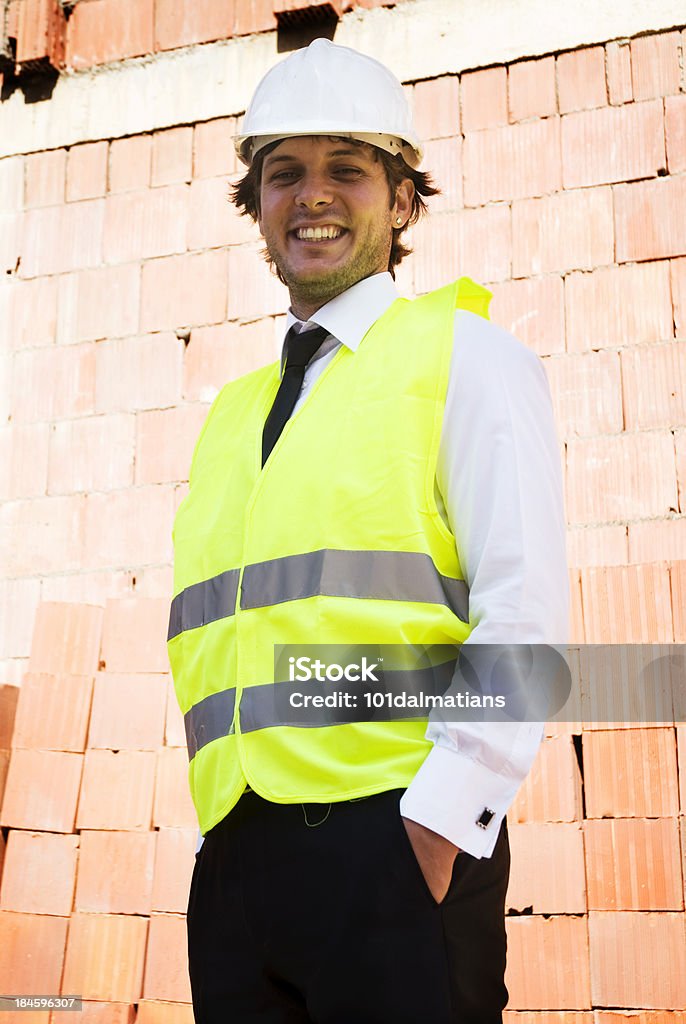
x: 398, y: 220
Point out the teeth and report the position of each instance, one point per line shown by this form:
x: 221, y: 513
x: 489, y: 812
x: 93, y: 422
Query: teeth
x: 315, y: 234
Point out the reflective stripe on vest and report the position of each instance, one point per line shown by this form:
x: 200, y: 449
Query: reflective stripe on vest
x: 269, y: 706
x: 381, y: 575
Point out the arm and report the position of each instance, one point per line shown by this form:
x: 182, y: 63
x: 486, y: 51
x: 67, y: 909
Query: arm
x: 500, y: 481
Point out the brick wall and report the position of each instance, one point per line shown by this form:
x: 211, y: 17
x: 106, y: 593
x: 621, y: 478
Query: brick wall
x: 130, y: 292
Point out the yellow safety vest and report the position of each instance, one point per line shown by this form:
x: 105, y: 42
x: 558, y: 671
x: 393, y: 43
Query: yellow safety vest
x: 336, y: 540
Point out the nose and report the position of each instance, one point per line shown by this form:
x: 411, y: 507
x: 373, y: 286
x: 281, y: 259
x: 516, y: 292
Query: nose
x: 314, y: 192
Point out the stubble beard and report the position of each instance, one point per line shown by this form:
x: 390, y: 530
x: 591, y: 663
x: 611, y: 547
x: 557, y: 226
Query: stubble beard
x: 315, y: 289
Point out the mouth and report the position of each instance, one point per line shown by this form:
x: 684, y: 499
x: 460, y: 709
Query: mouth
x: 320, y: 234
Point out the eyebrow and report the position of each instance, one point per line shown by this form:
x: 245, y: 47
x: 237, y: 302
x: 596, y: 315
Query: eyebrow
x: 287, y: 158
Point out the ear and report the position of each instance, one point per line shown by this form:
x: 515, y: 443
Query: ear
x: 402, y: 207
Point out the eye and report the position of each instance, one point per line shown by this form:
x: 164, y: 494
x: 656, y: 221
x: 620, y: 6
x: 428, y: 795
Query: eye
x: 348, y: 171
x: 283, y: 176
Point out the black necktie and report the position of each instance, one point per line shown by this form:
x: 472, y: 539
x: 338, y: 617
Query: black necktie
x: 300, y: 348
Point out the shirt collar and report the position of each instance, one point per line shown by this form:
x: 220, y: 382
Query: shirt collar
x: 349, y: 315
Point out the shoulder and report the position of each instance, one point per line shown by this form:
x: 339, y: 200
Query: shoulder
x: 484, y: 349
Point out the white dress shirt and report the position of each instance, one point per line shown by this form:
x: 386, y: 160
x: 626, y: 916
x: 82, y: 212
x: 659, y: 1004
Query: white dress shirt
x: 499, y: 488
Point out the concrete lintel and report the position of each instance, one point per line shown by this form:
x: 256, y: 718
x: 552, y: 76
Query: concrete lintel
x: 417, y: 39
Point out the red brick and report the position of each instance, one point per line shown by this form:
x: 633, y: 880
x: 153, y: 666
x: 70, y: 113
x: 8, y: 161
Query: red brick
x: 619, y: 477
x: 680, y: 451
x: 587, y: 393
x: 185, y: 291
x: 213, y: 220
x: 254, y: 291
x: 18, y: 602
x: 638, y: 959
x: 9, y: 697
x: 453, y: 243
x: 552, y: 789
x: 624, y: 685
x: 87, y: 586
x: 44, y: 178
x: 548, y: 1017
x: 533, y: 310
x: 531, y: 86
x: 112, y: 724
x: 62, y: 238
x: 547, y: 868
x: 618, y: 68
x: 436, y: 107
x: 165, y: 442
x: 105, y: 30
x: 581, y: 79
x: 140, y: 225
x: 100, y: 1013
x: 134, y: 635
x: 213, y: 149
x: 648, y: 219
x: 655, y: 65
x: 677, y: 575
x: 25, y: 470
x: 138, y: 373
x: 639, y: 1017
x: 105, y: 956
x: 43, y: 535
x: 627, y: 604
x: 174, y: 862
x: 630, y: 773
x: 137, y: 523
x: 675, y: 131
x: 153, y: 580
x: 66, y: 639
x: 117, y: 791
x: 613, y: 144
x: 31, y: 953
x: 569, y: 231
x: 657, y: 540
x: 616, y: 306
x: 92, y: 454
x: 512, y: 162
x: 53, y: 383
x: 12, y: 175
x: 115, y: 872
x: 192, y: 21
x: 34, y: 312
x: 153, y: 1012
x: 597, y: 545
x: 87, y: 171
x: 53, y: 711
x: 99, y: 303
x: 130, y: 163
x: 443, y: 160
x: 484, y: 98
x: 166, y: 964
x: 11, y: 242
x: 254, y: 16
x: 219, y: 354
x: 633, y: 864
x: 681, y: 758
x: 39, y: 873
x: 654, y: 386
x: 558, y: 948
x: 678, y: 281
x: 41, y: 790
x: 173, y: 805
x: 174, y: 731
x: 172, y: 155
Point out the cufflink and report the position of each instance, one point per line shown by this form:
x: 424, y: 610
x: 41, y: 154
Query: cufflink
x: 485, y: 818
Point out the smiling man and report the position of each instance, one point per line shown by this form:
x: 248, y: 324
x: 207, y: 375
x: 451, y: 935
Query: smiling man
x: 394, y: 479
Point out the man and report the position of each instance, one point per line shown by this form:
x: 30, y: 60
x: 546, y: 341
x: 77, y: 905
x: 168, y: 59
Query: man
x: 394, y: 481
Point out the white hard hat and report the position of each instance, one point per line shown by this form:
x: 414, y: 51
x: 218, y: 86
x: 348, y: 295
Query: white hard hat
x: 326, y: 89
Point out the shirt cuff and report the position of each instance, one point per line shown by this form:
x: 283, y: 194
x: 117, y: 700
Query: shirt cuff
x: 450, y: 792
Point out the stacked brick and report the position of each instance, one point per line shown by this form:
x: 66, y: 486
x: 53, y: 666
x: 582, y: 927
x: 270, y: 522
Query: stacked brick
x: 100, y: 828
x: 132, y: 291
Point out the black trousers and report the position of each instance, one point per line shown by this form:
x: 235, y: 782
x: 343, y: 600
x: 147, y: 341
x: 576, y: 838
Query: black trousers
x: 310, y: 914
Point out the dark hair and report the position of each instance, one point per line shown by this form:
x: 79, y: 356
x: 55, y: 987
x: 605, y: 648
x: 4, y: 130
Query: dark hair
x: 245, y: 194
